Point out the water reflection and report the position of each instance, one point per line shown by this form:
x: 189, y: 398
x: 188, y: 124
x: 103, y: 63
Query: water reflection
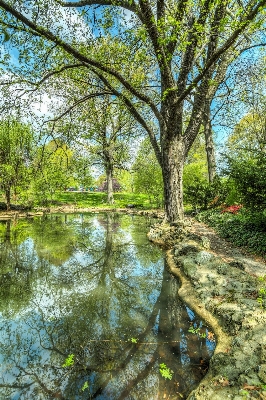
x: 88, y: 311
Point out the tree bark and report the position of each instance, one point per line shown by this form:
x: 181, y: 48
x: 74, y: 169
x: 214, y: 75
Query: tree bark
x: 110, y: 191
x: 173, y: 159
x: 8, y: 197
x: 209, y: 143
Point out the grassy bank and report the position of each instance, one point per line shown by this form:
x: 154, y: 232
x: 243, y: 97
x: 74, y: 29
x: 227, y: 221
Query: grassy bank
x: 99, y: 199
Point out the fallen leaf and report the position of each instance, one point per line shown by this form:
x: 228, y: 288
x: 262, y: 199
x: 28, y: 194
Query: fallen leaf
x: 225, y: 382
x: 250, y: 387
x: 210, y: 336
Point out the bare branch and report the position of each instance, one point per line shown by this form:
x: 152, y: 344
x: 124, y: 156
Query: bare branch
x: 55, y: 72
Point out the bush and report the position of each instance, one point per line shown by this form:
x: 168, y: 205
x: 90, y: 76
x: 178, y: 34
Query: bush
x: 203, y: 195
x: 249, y: 176
x: 245, y: 228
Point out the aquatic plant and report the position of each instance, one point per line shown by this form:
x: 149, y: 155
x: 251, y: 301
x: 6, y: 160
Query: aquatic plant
x: 85, y: 386
x: 197, y: 332
x: 165, y: 371
x: 69, y: 361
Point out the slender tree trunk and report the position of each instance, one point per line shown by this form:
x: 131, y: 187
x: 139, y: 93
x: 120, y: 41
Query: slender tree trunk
x: 209, y: 143
x: 173, y: 158
x: 109, y: 175
x: 8, y: 197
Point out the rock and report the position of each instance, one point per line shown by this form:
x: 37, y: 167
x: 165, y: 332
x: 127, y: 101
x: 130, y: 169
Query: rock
x: 203, y: 257
x: 205, y: 242
x: 230, y: 294
x: 237, y: 264
x: 262, y: 372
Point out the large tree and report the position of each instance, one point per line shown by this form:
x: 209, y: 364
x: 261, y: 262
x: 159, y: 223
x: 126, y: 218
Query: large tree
x: 181, y: 44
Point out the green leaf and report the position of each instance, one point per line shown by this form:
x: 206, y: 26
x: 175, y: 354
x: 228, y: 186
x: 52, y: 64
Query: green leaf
x: 85, y: 386
x: 69, y: 361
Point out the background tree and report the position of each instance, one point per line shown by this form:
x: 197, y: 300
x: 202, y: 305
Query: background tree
x: 16, y: 147
x: 147, y: 174
x: 81, y: 170
x: 106, y: 131
x: 53, y: 170
x: 246, y: 160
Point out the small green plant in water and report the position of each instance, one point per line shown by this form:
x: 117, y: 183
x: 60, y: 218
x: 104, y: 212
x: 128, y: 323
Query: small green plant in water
x: 69, y: 361
x: 85, y: 386
x: 134, y: 340
x: 196, y: 331
x: 165, y: 372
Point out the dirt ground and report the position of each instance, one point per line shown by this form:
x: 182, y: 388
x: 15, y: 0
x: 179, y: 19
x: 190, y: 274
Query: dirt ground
x: 253, y: 264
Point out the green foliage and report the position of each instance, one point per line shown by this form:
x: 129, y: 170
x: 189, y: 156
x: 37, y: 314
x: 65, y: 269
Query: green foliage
x: 53, y: 170
x: 81, y: 171
x: 69, y: 361
x: 261, y: 299
x: 199, y: 192
x: 247, y: 228
x: 16, y: 147
x: 165, y: 372
x: 249, y: 177
x: 85, y: 386
x: 147, y: 174
x: 246, y: 160
x: 134, y: 340
x: 196, y: 331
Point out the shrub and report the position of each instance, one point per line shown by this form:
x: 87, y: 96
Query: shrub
x: 249, y: 176
x: 244, y: 228
x: 204, y: 195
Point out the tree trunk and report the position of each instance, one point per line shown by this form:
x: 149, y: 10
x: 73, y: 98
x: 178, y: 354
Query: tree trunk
x: 109, y: 175
x: 173, y: 158
x: 209, y: 143
x: 8, y: 196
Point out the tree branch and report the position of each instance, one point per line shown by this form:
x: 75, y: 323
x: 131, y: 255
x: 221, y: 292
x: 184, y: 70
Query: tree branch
x: 132, y: 109
x: 80, y: 101
x: 128, y: 5
x: 242, y: 26
x: 81, y: 57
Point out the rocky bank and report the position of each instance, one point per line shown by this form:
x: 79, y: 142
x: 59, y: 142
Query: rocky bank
x: 225, y: 294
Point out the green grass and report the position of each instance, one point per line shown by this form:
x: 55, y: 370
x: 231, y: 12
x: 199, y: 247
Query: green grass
x: 98, y: 199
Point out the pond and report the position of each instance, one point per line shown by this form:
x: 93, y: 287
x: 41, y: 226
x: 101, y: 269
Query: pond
x: 89, y: 311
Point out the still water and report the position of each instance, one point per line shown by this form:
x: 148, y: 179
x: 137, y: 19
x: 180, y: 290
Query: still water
x: 89, y: 311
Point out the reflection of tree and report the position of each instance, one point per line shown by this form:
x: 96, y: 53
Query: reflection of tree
x: 15, y: 275
x: 53, y: 239
x: 112, y: 299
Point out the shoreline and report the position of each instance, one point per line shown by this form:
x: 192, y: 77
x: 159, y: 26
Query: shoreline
x: 225, y: 296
